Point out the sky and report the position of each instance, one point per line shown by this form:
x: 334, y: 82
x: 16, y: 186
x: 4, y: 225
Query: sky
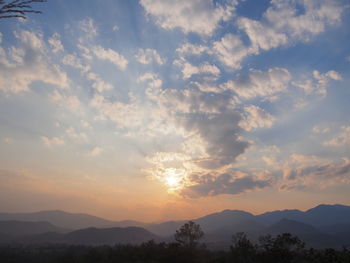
x: 173, y: 109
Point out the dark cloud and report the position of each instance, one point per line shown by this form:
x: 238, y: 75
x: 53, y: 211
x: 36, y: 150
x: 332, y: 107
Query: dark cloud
x: 226, y: 183
x: 220, y: 132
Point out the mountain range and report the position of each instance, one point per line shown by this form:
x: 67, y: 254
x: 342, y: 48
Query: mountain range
x: 321, y: 226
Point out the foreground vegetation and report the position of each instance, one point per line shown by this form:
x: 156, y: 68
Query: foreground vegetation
x: 283, y: 248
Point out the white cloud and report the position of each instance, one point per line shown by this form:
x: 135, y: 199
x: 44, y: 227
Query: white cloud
x: 198, y: 16
x: 73, y: 61
x: 260, y: 84
x: 256, y: 117
x: 154, y: 84
x: 191, y: 49
x: 85, y: 124
x: 70, y: 102
x: 96, y: 151
x: 230, y: 50
x: 89, y: 27
x: 54, y: 141
x: 319, y: 82
x: 99, y: 84
x: 79, y: 137
x: 341, y: 139
x: 188, y: 69
x: 55, y: 43
x: 147, y: 56
x: 111, y: 56
x: 21, y: 66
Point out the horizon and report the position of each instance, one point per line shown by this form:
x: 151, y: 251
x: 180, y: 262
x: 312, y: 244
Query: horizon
x: 157, y: 110
x: 184, y: 219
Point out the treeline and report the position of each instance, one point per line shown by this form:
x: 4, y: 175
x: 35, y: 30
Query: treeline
x: 283, y: 248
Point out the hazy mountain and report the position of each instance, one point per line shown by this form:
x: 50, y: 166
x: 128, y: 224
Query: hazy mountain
x: 21, y: 228
x: 318, y: 216
x: 68, y: 220
x: 94, y: 236
x: 310, y: 235
x: 322, y: 226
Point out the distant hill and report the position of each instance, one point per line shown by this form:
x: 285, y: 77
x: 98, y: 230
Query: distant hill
x: 321, y: 215
x: 68, y: 220
x: 321, y: 226
x: 20, y: 228
x: 93, y: 236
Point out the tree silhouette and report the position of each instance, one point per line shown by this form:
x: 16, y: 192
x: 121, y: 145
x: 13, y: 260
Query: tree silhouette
x: 18, y: 8
x: 189, y: 234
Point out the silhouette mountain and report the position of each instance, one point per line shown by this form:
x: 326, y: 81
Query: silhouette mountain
x: 320, y: 215
x: 321, y: 226
x: 20, y: 228
x: 68, y: 220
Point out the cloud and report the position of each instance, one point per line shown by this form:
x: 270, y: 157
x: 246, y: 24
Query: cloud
x: 283, y: 23
x: 318, y: 84
x: 50, y: 142
x: 198, y: 16
x: 188, y: 69
x: 72, y: 134
x: 256, y: 117
x: 191, y: 49
x: 55, y: 43
x: 29, y: 62
x: 148, y: 56
x: 230, y: 50
x: 110, y: 55
x: 232, y: 183
x: 341, y: 139
x: 154, y: 85
x: 319, y: 175
x: 99, y: 84
x: 69, y: 102
x: 260, y: 84
x: 96, y: 151
x: 89, y: 27
x: 75, y: 62
x: 125, y: 115
x: 220, y: 137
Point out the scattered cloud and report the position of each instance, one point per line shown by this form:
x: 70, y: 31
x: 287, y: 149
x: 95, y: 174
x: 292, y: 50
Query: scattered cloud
x: 88, y: 26
x: 96, y: 151
x: 232, y: 183
x: 51, y: 142
x: 255, y: 117
x: 341, y: 139
x: 56, y: 43
x: 198, y: 16
x: 28, y: 62
x: 188, y: 69
x: 110, y: 55
x: 148, y: 56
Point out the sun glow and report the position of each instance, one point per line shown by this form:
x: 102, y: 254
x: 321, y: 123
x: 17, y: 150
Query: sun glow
x: 174, y: 177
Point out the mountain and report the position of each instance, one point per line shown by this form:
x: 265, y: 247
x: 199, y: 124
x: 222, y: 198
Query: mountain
x: 68, y: 220
x: 209, y: 223
x: 22, y: 228
x: 321, y: 215
x: 93, y: 236
x: 307, y: 233
x: 116, y: 235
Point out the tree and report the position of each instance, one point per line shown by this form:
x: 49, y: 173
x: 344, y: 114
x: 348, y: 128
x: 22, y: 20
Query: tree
x: 242, y: 249
x: 18, y: 8
x: 189, y: 234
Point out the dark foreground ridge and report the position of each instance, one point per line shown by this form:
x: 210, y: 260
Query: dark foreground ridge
x: 283, y: 248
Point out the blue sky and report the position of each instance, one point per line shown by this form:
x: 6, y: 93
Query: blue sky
x: 155, y: 109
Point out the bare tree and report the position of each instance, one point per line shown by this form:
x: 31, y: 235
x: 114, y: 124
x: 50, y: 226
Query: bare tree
x: 18, y: 8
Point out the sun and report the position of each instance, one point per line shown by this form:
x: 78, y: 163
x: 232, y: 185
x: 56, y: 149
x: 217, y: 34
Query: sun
x: 173, y: 177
